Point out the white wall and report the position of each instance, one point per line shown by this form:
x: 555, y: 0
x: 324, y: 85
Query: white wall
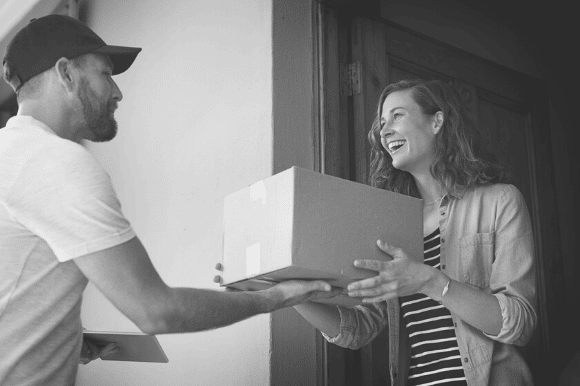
x: 195, y: 124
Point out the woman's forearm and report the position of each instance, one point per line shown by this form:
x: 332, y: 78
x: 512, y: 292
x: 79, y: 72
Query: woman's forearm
x: 477, y: 308
x: 323, y: 317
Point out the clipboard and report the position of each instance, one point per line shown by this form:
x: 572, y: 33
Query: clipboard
x: 134, y: 346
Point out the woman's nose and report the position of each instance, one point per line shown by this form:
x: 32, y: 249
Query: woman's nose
x: 385, y: 131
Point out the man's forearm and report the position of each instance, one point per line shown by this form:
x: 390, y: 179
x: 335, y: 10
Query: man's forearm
x: 192, y: 309
x: 126, y: 276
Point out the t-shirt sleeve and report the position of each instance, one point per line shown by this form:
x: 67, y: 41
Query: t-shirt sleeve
x: 65, y: 197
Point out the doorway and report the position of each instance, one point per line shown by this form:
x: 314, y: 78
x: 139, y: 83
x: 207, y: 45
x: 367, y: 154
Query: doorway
x: 362, y: 55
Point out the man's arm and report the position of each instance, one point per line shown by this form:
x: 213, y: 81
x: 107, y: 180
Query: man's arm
x: 126, y: 276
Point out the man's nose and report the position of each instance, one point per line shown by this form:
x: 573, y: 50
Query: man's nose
x: 117, y: 94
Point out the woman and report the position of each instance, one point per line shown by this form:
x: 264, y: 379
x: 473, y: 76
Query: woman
x: 454, y: 318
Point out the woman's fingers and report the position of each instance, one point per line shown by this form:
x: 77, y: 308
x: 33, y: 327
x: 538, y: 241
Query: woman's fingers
x: 372, y: 291
x: 367, y: 283
x: 391, y: 250
x: 381, y: 298
x: 375, y: 265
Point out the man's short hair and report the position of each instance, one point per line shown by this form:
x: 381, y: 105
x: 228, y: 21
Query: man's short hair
x: 31, y: 88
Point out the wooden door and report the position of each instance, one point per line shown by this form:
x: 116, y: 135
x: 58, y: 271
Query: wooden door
x: 511, y: 109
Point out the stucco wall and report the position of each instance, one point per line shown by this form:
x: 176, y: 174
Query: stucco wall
x: 195, y: 124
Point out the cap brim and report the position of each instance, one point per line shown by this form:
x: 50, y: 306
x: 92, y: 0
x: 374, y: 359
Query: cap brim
x: 122, y: 57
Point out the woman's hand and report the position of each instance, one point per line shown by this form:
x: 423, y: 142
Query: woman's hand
x: 400, y: 276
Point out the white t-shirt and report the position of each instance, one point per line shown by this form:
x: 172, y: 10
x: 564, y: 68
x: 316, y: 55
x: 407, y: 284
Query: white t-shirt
x: 56, y: 203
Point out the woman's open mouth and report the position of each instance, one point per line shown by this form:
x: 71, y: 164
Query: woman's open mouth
x: 394, y: 146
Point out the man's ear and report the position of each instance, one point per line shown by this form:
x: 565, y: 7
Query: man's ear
x: 438, y: 120
x: 66, y: 74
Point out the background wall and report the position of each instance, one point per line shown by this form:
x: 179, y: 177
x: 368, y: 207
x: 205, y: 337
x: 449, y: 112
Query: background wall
x: 195, y: 124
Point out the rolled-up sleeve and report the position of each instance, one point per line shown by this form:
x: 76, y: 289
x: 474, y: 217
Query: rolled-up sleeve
x: 513, y: 275
x: 359, y: 325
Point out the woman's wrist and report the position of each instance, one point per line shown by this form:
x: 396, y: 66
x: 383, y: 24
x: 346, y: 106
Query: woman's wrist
x: 436, y: 285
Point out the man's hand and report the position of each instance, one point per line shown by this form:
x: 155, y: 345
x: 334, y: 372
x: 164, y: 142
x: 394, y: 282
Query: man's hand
x: 91, y: 351
x: 292, y: 292
x: 218, y: 278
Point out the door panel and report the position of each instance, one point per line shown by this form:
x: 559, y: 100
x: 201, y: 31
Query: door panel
x: 511, y: 113
x: 505, y: 133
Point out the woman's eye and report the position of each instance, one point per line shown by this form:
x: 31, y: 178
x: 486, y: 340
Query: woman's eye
x: 396, y: 116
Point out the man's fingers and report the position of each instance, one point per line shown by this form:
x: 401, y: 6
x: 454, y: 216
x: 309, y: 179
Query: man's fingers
x: 109, y: 349
x: 318, y: 285
x: 92, y: 351
x: 326, y: 294
x: 218, y: 278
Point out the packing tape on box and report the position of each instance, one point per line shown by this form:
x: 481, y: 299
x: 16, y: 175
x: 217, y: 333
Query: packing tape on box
x: 258, y: 191
x: 253, y: 260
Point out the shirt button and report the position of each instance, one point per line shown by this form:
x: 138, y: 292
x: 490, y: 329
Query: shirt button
x: 455, y: 324
x: 394, y: 375
x: 443, y: 266
x: 442, y: 239
x: 465, y: 360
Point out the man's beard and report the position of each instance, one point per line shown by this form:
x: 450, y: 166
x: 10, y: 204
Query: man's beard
x: 98, y: 117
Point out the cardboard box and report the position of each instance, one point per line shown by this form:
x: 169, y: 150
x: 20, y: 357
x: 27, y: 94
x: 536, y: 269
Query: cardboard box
x: 300, y: 224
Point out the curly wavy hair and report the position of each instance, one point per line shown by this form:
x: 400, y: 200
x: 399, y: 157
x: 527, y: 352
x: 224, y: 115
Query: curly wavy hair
x: 461, y: 158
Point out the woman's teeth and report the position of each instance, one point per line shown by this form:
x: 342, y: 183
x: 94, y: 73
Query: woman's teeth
x: 395, y: 145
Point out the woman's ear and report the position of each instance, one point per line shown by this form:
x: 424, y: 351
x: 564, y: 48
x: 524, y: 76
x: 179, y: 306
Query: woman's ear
x: 65, y: 73
x: 438, y: 120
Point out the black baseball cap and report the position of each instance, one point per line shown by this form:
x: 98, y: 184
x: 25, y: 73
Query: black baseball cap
x: 41, y: 43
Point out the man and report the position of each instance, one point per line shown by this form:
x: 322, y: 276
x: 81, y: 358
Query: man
x: 61, y: 222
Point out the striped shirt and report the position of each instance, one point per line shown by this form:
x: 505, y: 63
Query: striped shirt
x: 435, y: 357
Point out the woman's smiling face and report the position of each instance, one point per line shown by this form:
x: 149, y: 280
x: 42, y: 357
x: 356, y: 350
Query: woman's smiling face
x: 407, y: 134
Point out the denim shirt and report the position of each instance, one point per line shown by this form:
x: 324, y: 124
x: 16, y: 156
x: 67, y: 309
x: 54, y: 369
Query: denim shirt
x: 486, y: 243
